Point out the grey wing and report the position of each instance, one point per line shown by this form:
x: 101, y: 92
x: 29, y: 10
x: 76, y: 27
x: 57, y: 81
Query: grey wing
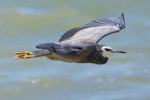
x: 95, y: 30
x: 69, y: 33
x: 58, y: 48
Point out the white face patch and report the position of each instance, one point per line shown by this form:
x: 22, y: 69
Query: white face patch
x: 105, y: 52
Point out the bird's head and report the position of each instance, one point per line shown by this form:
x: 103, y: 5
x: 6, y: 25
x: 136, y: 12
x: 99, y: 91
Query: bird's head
x: 105, y: 50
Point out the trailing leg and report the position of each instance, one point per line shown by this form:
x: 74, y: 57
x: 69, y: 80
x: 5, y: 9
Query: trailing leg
x: 25, y: 54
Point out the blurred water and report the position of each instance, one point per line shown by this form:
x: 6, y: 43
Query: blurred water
x: 25, y: 23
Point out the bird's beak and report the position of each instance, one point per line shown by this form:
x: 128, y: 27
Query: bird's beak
x: 116, y: 51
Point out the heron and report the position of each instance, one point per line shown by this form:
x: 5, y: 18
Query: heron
x: 80, y: 45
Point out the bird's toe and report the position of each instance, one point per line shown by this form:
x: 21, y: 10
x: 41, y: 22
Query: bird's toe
x: 23, y: 55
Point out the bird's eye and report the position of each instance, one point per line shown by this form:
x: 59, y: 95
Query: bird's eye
x: 107, y: 49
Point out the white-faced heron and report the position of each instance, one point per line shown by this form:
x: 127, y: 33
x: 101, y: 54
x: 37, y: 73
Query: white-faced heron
x: 80, y: 44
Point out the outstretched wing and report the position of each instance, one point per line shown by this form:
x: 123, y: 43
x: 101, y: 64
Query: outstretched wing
x: 94, y: 31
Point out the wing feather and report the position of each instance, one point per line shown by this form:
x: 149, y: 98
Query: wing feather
x: 94, y: 31
x: 58, y: 48
x: 120, y: 21
x: 70, y: 33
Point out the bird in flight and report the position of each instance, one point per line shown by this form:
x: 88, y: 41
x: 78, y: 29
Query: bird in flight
x: 80, y: 44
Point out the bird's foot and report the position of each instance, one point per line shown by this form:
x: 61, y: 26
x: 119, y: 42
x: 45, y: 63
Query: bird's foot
x: 23, y: 55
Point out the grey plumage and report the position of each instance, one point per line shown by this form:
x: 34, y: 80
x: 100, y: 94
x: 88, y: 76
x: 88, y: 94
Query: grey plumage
x: 65, y: 49
x: 81, y: 44
x: 98, y: 28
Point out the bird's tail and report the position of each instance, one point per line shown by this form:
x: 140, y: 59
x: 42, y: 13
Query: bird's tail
x: 25, y: 54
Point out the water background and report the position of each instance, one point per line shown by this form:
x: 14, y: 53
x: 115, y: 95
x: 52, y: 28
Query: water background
x: 25, y: 23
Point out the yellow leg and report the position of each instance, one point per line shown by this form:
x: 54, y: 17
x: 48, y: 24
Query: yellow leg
x: 23, y: 55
